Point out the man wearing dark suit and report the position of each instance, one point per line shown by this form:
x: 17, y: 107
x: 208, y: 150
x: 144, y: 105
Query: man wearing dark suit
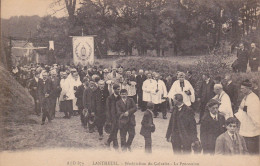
x: 230, y: 142
x: 212, y: 125
x: 33, y: 89
x: 111, y: 115
x: 242, y: 58
x: 254, y: 58
x: 88, y: 101
x: 231, y: 89
x: 182, y: 131
x: 125, y: 111
x: 79, y: 96
x: 139, y: 84
x: 44, y: 91
x: 148, y: 127
x: 99, y: 107
x: 206, y: 93
x: 55, y: 92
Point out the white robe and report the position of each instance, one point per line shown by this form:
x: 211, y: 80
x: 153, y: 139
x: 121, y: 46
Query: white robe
x: 149, y: 87
x: 176, y: 89
x: 131, y: 88
x: 68, y: 87
x: 225, y: 107
x: 162, y: 92
x: 250, y: 120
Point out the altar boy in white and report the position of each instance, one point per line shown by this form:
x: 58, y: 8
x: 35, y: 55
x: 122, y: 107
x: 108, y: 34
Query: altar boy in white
x: 149, y: 87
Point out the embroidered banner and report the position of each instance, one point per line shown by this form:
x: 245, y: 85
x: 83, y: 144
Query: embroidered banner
x: 83, y: 50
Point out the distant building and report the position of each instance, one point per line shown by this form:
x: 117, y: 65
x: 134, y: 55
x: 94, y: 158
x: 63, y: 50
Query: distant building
x: 23, y: 53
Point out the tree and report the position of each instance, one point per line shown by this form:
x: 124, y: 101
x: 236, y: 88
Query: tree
x: 56, y: 29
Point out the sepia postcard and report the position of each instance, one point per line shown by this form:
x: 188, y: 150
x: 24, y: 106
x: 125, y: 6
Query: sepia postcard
x: 130, y: 83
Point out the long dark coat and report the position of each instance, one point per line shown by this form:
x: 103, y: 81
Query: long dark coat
x: 206, y: 91
x: 99, y: 102
x: 254, y: 58
x: 79, y: 96
x: 210, y: 129
x: 42, y: 90
x: 111, y: 112
x: 186, y: 125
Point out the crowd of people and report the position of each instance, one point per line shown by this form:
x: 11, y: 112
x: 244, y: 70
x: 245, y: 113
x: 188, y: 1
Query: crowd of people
x: 107, y: 99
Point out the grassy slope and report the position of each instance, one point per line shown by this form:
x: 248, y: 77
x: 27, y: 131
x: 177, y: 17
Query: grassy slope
x: 16, y: 105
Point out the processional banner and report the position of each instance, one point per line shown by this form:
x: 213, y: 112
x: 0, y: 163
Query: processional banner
x: 83, y: 50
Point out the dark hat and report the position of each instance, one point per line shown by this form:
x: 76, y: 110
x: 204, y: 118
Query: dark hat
x: 123, y: 120
x: 115, y: 86
x: 213, y: 102
x: 150, y: 105
x: 246, y: 83
x: 108, y: 128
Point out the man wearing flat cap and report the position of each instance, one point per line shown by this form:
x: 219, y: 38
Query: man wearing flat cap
x: 126, y: 108
x: 249, y: 116
x: 212, y: 125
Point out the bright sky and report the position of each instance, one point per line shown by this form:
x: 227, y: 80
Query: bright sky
x: 28, y: 8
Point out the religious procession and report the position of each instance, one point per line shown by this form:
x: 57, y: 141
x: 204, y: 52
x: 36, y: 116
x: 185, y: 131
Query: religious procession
x: 130, y: 76
x: 106, y: 100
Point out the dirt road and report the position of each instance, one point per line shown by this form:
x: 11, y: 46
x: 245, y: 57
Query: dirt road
x: 70, y: 134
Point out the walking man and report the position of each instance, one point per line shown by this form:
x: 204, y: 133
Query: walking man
x: 44, y: 91
x: 182, y: 131
x: 99, y: 107
x: 111, y: 115
x: 126, y: 108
